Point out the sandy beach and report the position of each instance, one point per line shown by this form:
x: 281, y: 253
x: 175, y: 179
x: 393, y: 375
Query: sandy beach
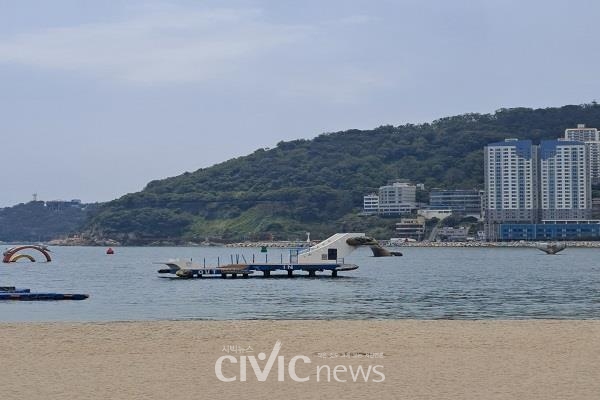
x: 413, y: 360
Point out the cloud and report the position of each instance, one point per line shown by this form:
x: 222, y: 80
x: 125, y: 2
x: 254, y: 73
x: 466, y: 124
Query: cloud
x: 240, y: 49
x: 168, y: 45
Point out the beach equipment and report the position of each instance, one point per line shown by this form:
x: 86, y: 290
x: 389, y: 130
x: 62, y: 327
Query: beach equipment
x: 12, y: 293
x: 11, y: 255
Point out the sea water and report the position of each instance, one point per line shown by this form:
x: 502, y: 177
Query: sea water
x: 426, y: 283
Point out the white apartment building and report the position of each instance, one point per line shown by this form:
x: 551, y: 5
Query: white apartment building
x: 582, y: 134
x: 511, y: 185
x: 591, y: 137
x: 565, y: 185
x: 395, y: 199
x: 371, y: 204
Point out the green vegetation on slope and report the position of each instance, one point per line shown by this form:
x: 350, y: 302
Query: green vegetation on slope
x: 34, y: 222
x: 316, y: 185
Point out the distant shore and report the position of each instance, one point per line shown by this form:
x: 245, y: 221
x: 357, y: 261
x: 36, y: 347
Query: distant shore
x: 583, y: 244
x: 296, y: 244
x: 385, y: 243
x: 530, y: 359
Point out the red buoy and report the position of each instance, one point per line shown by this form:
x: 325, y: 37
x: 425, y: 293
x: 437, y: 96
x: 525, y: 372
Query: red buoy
x: 110, y: 251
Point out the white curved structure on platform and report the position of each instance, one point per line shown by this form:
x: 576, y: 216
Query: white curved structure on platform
x: 330, y: 251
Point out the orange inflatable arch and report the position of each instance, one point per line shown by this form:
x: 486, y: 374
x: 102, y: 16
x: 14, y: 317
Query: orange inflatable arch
x: 10, y: 254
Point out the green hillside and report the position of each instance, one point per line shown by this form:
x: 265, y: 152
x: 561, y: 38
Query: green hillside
x: 34, y: 222
x: 317, y: 185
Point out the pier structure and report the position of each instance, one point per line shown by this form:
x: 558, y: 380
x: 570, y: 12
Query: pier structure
x: 326, y: 256
x: 266, y: 269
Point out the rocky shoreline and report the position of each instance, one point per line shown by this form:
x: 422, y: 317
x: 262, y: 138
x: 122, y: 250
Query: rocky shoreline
x: 385, y: 243
x: 294, y: 244
x: 582, y: 244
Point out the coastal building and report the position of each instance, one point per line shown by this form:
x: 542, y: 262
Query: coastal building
x: 395, y: 199
x: 411, y: 228
x: 582, y: 134
x: 58, y: 205
x: 565, y: 186
x: 596, y: 208
x: 511, y: 185
x: 429, y: 214
x: 464, y: 202
x: 451, y: 234
x: 594, y: 160
x: 538, y: 192
x: 551, y: 230
x: 371, y: 204
x: 591, y: 137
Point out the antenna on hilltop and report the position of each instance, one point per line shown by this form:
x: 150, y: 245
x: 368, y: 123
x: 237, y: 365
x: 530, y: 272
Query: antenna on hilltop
x: 34, y: 196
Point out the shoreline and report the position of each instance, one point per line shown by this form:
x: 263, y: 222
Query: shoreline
x: 492, y: 359
x: 384, y: 243
x: 294, y: 245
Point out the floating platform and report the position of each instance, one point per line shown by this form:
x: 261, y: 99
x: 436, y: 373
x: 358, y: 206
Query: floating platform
x: 12, y: 289
x: 326, y: 256
x: 244, y: 271
x: 41, y: 296
x: 13, y: 293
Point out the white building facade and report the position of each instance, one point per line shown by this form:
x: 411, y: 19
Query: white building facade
x: 565, y: 184
x: 591, y: 137
x: 582, y: 134
x: 511, y: 185
x: 371, y: 204
x: 527, y: 185
x: 395, y: 199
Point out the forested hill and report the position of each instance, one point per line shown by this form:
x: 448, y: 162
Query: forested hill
x: 37, y: 222
x: 313, y: 185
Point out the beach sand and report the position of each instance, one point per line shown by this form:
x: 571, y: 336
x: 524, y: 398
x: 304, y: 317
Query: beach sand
x: 420, y: 360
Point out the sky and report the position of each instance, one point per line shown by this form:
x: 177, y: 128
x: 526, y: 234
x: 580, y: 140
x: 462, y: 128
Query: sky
x: 97, y: 98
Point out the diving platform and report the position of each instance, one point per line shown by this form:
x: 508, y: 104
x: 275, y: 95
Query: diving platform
x: 244, y: 271
x: 326, y: 256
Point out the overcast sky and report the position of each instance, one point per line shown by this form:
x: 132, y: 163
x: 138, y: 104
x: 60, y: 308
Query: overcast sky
x: 99, y: 97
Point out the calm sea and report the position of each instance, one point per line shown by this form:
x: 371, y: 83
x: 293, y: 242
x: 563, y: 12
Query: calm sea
x: 427, y: 283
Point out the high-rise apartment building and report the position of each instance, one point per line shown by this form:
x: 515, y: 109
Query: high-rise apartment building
x: 511, y: 183
x: 565, y: 186
x: 582, y: 134
x: 591, y: 137
x: 527, y: 186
